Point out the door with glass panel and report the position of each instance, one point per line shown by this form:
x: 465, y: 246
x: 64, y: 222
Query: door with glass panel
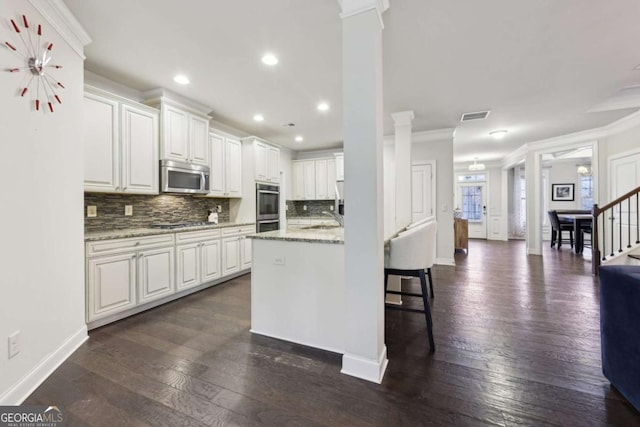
x: 473, y: 203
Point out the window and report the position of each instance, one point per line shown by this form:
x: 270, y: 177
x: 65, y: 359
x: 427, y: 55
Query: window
x: 471, y: 178
x: 586, y: 191
x: 471, y: 202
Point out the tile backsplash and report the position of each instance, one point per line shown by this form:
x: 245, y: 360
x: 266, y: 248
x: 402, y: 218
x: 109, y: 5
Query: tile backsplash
x: 148, y: 210
x: 314, y: 207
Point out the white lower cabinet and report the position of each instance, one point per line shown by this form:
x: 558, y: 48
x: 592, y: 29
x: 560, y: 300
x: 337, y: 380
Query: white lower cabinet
x: 125, y: 273
x: 112, y: 284
x: 155, y: 273
x: 230, y: 255
x: 245, y: 253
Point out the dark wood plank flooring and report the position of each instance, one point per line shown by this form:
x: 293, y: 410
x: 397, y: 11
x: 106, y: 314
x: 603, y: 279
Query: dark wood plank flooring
x: 517, y: 344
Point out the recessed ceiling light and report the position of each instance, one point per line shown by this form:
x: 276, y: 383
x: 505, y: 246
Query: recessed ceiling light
x: 299, y: 138
x: 258, y: 118
x: 498, y: 134
x: 323, y: 106
x: 181, y: 79
x: 270, y: 59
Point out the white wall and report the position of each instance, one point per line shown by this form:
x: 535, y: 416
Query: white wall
x: 442, y: 153
x: 42, y: 251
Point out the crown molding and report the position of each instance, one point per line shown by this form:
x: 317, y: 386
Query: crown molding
x: 433, y: 135
x: 403, y: 118
x: 56, y: 13
x: 355, y: 7
x: 158, y: 95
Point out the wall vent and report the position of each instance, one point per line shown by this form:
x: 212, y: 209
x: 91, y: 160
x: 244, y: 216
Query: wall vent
x: 474, y: 116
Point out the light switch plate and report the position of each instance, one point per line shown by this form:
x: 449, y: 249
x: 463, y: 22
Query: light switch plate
x: 92, y: 211
x: 128, y: 210
x: 14, y: 344
x: 304, y: 207
x: 219, y: 208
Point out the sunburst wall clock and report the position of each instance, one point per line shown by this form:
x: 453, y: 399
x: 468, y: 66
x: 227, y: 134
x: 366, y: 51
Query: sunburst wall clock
x: 36, y: 55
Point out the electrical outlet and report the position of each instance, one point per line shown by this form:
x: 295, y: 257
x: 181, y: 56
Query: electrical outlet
x: 444, y: 207
x: 331, y: 208
x: 219, y: 208
x: 286, y: 207
x: 92, y: 211
x: 14, y: 344
x: 304, y: 207
x: 279, y: 260
x: 128, y: 210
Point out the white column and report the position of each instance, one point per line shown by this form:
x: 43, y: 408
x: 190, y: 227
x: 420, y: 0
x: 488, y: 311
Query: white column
x: 365, y: 354
x: 402, y: 123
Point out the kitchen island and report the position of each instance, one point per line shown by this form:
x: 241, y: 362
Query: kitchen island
x: 297, y: 286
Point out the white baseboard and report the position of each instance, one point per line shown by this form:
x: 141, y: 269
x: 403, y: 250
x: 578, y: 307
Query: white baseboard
x: 32, y: 380
x: 365, y: 369
x: 297, y: 341
x: 445, y: 261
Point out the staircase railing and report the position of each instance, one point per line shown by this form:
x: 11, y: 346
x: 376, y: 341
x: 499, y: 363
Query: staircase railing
x: 610, y: 233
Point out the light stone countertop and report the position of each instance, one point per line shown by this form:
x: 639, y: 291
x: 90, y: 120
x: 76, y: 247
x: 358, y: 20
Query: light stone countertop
x: 139, y: 232
x: 309, y: 235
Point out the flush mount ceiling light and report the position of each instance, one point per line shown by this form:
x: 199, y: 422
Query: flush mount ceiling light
x: 181, y: 79
x: 323, y: 106
x: 498, y: 134
x: 269, y: 59
x: 476, y: 166
x: 258, y: 118
x: 299, y: 138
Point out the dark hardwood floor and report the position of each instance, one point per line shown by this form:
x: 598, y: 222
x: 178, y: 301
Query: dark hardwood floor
x: 517, y: 344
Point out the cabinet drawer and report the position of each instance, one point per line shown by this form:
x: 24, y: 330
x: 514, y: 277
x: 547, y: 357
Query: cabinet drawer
x: 237, y: 231
x: 105, y: 247
x: 197, y: 236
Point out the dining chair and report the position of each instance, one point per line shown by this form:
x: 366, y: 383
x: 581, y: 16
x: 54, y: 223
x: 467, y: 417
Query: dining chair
x: 412, y: 253
x: 557, y: 227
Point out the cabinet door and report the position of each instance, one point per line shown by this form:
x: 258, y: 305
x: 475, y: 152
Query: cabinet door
x: 187, y: 265
x: 139, y: 135
x: 245, y: 255
x: 111, y: 285
x: 331, y: 179
x: 230, y: 255
x: 260, y: 161
x: 101, y: 146
x: 309, y: 171
x: 174, y: 140
x: 217, y: 173
x: 210, y: 256
x: 340, y: 167
x: 273, y: 164
x: 156, y: 273
x: 233, y: 168
x: 198, y: 140
x: 298, y: 181
x: 321, y: 179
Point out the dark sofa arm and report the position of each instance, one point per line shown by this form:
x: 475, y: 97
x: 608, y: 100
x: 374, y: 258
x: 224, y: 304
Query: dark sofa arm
x: 620, y: 328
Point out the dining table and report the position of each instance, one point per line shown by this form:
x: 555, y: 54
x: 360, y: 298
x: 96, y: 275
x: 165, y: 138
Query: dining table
x: 581, y: 223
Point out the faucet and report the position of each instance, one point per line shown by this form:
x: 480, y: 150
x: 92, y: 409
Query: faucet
x: 335, y: 216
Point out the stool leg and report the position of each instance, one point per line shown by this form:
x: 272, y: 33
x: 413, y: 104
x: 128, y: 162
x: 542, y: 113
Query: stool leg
x: 427, y: 310
x: 430, y: 282
x: 553, y: 237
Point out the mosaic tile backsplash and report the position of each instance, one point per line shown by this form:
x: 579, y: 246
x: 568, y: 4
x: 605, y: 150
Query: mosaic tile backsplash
x: 314, y: 207
x: 148, y: 210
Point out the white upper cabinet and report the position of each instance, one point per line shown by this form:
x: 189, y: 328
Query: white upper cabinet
x: 139, y: 150
x: 339, y: 166
x: 266, y: 160
x: 121, y: 145
x: 226, y: 166
x: 184, y: 136
x: 101, y: 144
x: 314, y: 179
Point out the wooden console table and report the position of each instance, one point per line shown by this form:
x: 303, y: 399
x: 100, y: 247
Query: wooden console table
x: 461, y: 233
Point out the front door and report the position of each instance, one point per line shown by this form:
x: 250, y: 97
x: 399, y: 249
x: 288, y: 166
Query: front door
x: 473, y: 202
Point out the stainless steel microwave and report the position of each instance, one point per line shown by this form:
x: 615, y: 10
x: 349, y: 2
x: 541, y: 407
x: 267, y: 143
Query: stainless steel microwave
x: 180, y: 177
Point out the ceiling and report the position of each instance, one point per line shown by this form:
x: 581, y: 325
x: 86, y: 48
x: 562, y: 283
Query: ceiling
x: 539, y: 66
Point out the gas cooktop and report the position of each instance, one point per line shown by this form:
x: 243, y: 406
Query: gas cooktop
x: 172, y: 225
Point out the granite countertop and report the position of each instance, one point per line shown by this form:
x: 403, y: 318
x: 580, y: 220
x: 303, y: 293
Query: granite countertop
x: 333, y: 235
x: 139, y: 232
